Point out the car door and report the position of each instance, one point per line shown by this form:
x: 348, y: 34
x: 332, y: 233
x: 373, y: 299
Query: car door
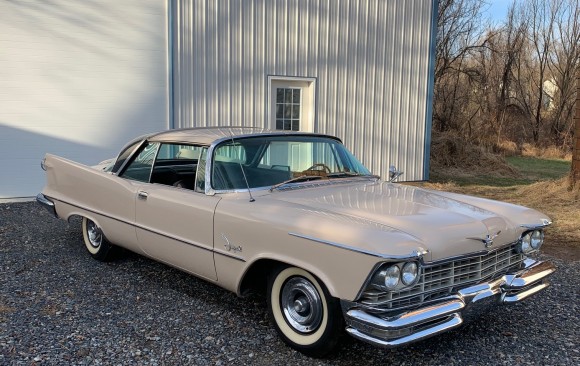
x: 175, y: 226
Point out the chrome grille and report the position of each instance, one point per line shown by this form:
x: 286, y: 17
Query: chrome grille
x: 446, y: 278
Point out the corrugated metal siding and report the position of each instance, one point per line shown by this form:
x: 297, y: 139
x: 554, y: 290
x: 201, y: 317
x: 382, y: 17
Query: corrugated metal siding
x: 370, y: 60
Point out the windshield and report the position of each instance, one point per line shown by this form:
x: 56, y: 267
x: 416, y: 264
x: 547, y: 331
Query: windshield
x: 271, y: 160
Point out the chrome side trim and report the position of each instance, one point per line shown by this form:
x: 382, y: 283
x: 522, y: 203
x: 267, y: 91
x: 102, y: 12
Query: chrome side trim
x: 229, y: 255
x: 47, y: 204
x: 416, y: 254
x: 152, y: 231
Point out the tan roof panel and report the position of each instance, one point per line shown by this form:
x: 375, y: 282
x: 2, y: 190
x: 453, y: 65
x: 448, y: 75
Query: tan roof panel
x: 207, y: 135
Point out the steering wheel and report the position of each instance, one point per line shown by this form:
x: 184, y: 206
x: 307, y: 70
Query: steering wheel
x: 320, y: 165
x: 315, y: 170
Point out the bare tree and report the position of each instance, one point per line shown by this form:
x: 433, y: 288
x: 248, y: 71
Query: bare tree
x: 511, y: 81
x: 459, y: 32
x: 541, y: 15
x: 506, y: 49
x: 575, y: 169
x: 564, y: 66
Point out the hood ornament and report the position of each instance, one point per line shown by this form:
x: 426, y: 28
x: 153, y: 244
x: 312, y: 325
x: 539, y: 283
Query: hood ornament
x: 488, y: 240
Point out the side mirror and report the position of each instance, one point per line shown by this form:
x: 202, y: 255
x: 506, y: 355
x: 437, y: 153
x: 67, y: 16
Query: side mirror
x: 394, y: 173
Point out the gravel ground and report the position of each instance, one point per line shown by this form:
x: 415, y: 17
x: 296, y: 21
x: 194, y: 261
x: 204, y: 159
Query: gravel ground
x: 59, y: 306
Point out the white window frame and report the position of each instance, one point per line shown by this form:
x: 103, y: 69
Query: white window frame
x: 308, y: 126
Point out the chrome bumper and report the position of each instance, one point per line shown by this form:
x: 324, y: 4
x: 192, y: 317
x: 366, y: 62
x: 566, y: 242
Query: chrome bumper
x: 448, y: 313
x: 46, y: 203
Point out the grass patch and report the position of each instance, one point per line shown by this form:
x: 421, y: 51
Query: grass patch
x: 530, y: 170
x: 535, y: 169
x: 479, y: 180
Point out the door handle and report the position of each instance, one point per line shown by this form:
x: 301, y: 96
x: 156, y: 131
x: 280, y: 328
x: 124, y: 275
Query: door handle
x: 142, y: 194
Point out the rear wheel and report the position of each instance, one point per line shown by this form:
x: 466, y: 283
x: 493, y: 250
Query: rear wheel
x: 95, y: 241
x: 306, y: 317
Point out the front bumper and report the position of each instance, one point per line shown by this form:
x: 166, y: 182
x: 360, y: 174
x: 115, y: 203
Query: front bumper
x: 447, y: 313
x: 46, y: 203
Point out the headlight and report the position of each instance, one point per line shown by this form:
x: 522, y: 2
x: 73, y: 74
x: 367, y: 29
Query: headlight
x: 396, y: 276
x: 537, y: 239
x: 392, y: 275
x: 526, y: 243
x: 409, y: 273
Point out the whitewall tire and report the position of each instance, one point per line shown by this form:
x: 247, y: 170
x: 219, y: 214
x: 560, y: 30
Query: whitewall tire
x: 306, y: 317
x: 95, y: 241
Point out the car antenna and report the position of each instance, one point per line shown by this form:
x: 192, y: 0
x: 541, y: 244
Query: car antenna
x: 244, y: 174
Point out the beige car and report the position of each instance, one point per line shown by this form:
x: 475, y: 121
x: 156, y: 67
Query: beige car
x: 297, y: 216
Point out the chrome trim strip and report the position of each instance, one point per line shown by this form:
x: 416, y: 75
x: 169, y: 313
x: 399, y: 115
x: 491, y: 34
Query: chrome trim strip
x: 468, y: 256
x: 152, y: 231
x: 172, y: 237
x: 229, y: 255
x: 416, y: 254
x: 545, y: 223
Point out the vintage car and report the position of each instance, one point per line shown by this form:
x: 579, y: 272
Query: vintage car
x: 297, y: 216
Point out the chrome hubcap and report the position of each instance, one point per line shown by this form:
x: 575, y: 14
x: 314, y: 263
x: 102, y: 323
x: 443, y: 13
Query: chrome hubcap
x: 301, y: 304
x: 94, y: 234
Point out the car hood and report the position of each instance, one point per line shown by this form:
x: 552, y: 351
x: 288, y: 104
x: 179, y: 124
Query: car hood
x: 445, y: 224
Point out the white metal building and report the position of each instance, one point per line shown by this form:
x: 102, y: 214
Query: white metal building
x: 80, y: 78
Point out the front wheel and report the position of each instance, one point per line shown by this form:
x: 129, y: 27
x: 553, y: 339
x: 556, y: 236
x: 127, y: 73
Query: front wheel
x: 306, y: 317
x: 95, y: 241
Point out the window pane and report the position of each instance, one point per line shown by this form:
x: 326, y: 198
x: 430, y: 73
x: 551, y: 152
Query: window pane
x: 287, y: 111
x: 175, y: 151
x: 279, y: 109
x: 296, y: 96
x: 200, y: 175
x: 124, y: 155
x: 296, y: 111
x: 288, y: 97
x: 280, y: 95
x: 140, y: 168
x: 279, y: 124
x: 287, y: 124
x: 295, y: 125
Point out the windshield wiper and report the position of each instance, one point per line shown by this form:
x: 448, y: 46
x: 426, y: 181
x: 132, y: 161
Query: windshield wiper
x: 351, y: 174
x: 295, y: 179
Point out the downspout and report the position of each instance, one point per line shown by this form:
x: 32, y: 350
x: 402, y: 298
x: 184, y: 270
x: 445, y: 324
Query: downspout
x: 170, y: 96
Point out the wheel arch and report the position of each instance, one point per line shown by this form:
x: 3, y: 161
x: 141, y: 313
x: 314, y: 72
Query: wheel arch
x: 255, y: 278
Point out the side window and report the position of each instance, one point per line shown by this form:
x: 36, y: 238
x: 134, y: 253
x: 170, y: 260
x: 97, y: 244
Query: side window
x: 200, y: 176
x: 176, y: 151
x: 140, y: 168
x: 124, y: 155
x: 176, y: 165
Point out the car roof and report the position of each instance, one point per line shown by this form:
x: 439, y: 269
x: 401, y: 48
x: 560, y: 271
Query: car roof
x: 209, y: 135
